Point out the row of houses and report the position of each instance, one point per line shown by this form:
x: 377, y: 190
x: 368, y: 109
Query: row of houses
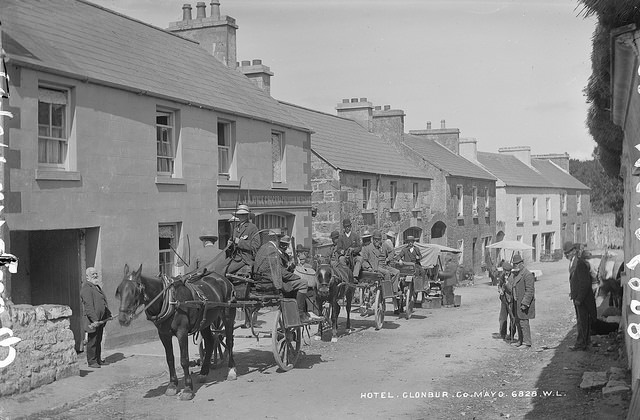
x: 127, y: 140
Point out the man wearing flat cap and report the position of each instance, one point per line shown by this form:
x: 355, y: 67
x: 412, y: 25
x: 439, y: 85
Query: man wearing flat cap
x: 349, y: 243
x: 581, y: 294
x: 524, y: 301
x: 208, y: 252
x: 244, y: 243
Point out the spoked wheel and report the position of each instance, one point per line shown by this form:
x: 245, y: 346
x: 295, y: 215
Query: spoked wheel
x: 219, y: 343
x: 363, y: 301
x: 409, y: 300
x: 379, y: 309
x: 286, y: 343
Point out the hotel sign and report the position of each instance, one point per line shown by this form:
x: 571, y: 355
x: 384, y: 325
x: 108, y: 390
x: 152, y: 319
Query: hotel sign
x: 263, y: 199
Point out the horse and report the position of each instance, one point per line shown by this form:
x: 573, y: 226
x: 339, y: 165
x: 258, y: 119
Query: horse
x: 163, y: 300
x: 334, y: 283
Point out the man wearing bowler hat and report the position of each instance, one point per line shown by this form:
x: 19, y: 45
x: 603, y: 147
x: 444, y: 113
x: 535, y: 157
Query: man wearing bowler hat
x: 581, y: 294
x: 349, y: 243
x: 391, y: 239
x: 524, y: 301
x: 411, y: 254
x: 208, y: 252
x: 244, y: 243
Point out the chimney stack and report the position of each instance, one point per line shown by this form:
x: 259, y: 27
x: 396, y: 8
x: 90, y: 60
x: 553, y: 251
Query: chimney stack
x: 447, y: 137
x: 186, y: 12
x: 388, y: 123
x: 469, y: 149
x: 216, y: 34
x: 359, y: 110
x: 523, y: 153
x: 428, y: 125
x: 560, y: 159
x: 442, y: 124
x: 258, y: 74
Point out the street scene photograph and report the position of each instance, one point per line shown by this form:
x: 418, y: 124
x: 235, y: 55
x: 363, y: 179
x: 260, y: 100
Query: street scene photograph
x: 293, y: 209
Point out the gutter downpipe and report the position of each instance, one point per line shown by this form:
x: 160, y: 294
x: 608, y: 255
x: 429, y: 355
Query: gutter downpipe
x: 379, y: 181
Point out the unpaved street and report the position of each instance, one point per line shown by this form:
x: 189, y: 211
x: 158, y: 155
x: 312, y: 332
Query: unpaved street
x: 441, y: 364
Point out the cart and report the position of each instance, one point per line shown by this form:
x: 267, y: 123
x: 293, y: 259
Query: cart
x: 373, y: 291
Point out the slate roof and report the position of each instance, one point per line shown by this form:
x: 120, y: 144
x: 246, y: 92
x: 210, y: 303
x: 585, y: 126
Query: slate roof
x: 556, y: 176
x: 346, y: 145
x: 514, y: 173
x: 445, y: 159
x: 88, y: 42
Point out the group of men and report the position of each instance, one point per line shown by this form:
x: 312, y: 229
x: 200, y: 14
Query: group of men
x: 517, y: 296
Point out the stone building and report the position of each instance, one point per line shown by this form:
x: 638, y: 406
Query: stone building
x: 357, y: 175
x: 539, y: 202
x: 126, y: 141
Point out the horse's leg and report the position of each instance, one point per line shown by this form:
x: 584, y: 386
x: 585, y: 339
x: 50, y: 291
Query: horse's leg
x: 167, y: 343
x: 349, y: 298
x: 229, y: 321
x: 335, y: 310
x: 183, y: 342
x: 207, y: 337
x: 318, y: 335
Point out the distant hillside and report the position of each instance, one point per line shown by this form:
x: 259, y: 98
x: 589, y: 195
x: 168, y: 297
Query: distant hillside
x: 606, y: 191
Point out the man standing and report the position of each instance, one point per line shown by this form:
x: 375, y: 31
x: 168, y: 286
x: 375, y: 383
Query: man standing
x: 449, y: 278
x: 244, y: 243
x: 506, y: 301
x: 524, y: 300
x: 349, y: 244
x: 96, y: 313
x: 581, y: 294
x: 376, y: 257
x: 208, y: 252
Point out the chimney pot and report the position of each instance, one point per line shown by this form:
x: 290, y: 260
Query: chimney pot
x: 354, y: 100
x: 246, y: 63
x: 186, y: 12
x: 257, y: 62
x: 442, y: 124
x: 201, y: 11
x: 363, y: 99
x: 345, y: 101
x: 215, y: 10
x: 387, y: 107
x: 428, y: 125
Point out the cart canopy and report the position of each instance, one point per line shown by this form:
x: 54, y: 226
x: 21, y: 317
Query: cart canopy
x: 429, y: 252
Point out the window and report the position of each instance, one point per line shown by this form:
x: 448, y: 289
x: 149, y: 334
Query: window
x: 486, y: 198
x: 535, y: 208
x: 366, y: 191
x: 519, y: 238
x: 548, y: 208
x: 518, y: 209
x: 563, y: 199
x: 474, y: 200
x: 167, y: 239
x: 225, y: 148
x: 416, y: 193
x: 579, y: 201
x: 165, y: 142
x: 393, y: 188
x: 277, y: 157
x: 52, y: 128
x: 460, y: 200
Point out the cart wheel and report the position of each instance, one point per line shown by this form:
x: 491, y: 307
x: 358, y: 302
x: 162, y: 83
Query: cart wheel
x: 379, y: 309
x: 409, y: 300
x: 219, y: 343
x: 286, y: 343
x: 363, y: 301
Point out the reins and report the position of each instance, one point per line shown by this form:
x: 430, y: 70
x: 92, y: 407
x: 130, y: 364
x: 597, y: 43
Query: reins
x: 162, y: 292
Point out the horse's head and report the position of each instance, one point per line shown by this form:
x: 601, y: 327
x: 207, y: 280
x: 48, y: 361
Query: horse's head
x: 130, y: 292
x: 323, y: 277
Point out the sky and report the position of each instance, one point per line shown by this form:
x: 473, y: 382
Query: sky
x: 507, y: 73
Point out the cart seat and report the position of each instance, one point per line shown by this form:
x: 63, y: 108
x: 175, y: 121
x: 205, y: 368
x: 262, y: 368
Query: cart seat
x: 369, y: 276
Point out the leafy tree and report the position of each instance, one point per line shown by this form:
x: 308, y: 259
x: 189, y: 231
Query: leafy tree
x: 606, y: 191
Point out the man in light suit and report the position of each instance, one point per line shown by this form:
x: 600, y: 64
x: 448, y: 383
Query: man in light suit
x: 524, y: 301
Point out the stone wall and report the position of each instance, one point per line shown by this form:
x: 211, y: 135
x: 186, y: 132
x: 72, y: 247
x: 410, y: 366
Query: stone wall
x: 604, y: 233
x: 46, y: 352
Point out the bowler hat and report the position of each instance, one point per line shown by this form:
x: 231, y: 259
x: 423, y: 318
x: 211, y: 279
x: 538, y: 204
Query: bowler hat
x: 517, y: 259
x: 377, y: 234
x: 234, y: 219
x: 335, y: 234
x: 208, y: 235
x: 301, y: 248
x: 366, y: 234
x: 391, y: 234
x: 569, y: 246
x: 410, y: 238
x: 242, y: 209
x: 506, y: 266
x: 346, y: 222
x: 286, y: 239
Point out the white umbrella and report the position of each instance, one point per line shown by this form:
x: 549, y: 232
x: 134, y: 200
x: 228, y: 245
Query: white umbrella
x: 511, y: 245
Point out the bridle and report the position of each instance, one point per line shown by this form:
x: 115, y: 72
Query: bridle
x: 140, y: 296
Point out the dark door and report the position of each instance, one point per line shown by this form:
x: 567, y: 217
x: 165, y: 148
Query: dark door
x: 55, y: 272
x: 534, y: 244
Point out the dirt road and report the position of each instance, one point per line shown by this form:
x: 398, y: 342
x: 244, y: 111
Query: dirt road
x: 441, y: 364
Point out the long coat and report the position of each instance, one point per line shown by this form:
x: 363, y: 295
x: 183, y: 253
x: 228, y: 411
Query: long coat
x: 94, y: 303
x: 524, y: 291
x: 248, y: 242
x: 580, y: 285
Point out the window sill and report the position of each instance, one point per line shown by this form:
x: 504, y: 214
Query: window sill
x: 224, y: 182
x: 519, y: 224
x: 170, y: 181
x: 549, y: 222
x: 536, y: 222
x: 279, y: 186
x: 52, y: 175
x: 460, y: 217
x: 564, y: 213
x: 368, y: 211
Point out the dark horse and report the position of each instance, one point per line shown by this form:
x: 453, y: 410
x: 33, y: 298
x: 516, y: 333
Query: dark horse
x: 165, y: 307
x: 334, y: 283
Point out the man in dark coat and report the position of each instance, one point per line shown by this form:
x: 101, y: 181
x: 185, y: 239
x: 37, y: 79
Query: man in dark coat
x: 411, y: 254
x: 581, y: 294
x: 524, y: 300
x: 244, y: 243
x: 208, y: 252
x: 506, y: 303
x: 96, y: 313
x: 349, y: 243
x: 449, y: 278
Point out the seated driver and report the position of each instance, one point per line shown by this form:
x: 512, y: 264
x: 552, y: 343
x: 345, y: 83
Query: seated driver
x: 270, y: 266
x: 411, y: 254
x: 378, y: 256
